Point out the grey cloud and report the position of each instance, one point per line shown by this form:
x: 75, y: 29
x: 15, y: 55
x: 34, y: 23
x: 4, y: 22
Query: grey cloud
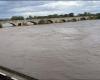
x: 10, y: 8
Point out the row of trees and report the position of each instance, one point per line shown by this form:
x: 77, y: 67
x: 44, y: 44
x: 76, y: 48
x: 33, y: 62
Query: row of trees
x: 36, y: 17
x: 56, y: 16
x: 97, y: 16
x: 17, y: 18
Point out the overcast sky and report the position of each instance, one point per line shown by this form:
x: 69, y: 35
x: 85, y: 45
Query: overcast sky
x: 25, y: 8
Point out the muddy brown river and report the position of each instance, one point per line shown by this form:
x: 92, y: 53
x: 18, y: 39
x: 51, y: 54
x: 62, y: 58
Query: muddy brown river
x: 61, y: 51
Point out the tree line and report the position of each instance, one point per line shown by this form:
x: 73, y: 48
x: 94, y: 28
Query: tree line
x: 91, y: 15
x: 39, y: 17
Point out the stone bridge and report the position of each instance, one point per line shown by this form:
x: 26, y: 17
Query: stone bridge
x: 41, y: 21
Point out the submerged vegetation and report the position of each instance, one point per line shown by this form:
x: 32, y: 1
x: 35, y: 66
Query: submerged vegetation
x: 0, y: 25
x: 98, y: 16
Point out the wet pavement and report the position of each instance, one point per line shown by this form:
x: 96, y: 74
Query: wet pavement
x: 62, y: 51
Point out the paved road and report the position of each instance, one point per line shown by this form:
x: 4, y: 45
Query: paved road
x: 63, y: 51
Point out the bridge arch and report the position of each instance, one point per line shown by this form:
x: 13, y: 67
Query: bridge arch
x: 19, y: 24
x: 8, y: 24
x: 82, y: 18
x: 45, y: 21
x: 41, y: 21
x: 13, y: 24
x: 35, y: 23
x: 49, y: 21
x: 62, y: 20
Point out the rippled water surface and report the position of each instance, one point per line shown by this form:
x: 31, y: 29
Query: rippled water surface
x: 63, y: 51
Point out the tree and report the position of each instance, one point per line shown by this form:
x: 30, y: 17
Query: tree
x: 71, y: 14
x: 86, y: 14
x: 65, y: 15
x: 17, y: 18
x: 29, y: 17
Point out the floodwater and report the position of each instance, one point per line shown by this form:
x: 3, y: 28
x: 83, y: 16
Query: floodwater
x: 62, y: 51
x: 7, y: 25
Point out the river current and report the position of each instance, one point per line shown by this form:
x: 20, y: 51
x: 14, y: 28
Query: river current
x: 61, y: 51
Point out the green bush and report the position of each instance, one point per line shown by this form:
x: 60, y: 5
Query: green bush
x: 0, y: 25
x: 98, y: 17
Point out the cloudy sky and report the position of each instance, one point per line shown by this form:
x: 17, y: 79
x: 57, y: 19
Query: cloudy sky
x: 25, y: 8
